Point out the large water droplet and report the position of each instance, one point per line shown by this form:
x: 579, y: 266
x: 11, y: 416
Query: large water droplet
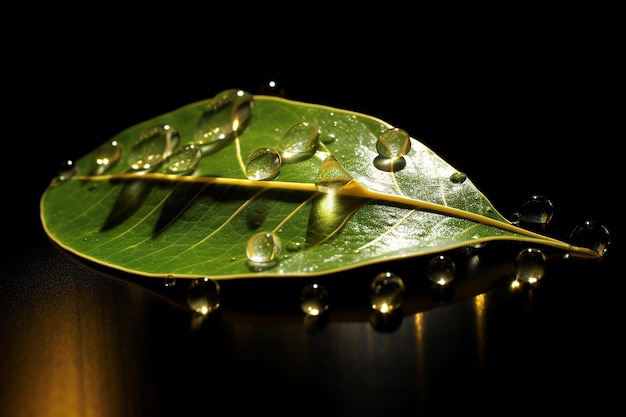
x: 263, y: 250
x: 591, y: 235
x: 386, y: 292
x: 393, y: 143
x: 204, y: 295
x: 107, y: 155
x: 314, y: 299
x: 224, y: 117
x: 441, y: 270
x: 263, y: 164
x: 152, y: 147
x: 184, y: 159
x: 537, y: 209
x: 299, y: 142
x: 530, y: 266
x: 331, y: 176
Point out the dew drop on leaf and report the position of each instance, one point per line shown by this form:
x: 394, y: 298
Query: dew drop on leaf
x: 263, y: 164
x: 386, y: 292
x: 331, y: 176
x: 530, y: 266
x: 183, y: 159
x: 107, y: 155
x: 263, y: 248
x: 458, y: 177
x: 204, y: 295
x: 314, y: 299
x: 591, y: 235
x: 537, y: 209
x: 66, y: 171
x: 152, y: 147
x: 393, y: 143
x: 441, y: 270
x: 299, y: 142
x: 223, y: 118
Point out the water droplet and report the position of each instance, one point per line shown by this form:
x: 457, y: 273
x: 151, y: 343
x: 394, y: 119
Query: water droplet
x: 204, y: 295
x: 107, y: 155
x: 272, y: 88
x: 263, y: 164
x: 393, y: 143
x: 530, y: 265
x: 386, y: 292
x: 153, y: 147
x: 314, y: 299
x: 537, y: 209
x: 183, y: 159
x: 331, y: 176
x: 223, y: 118
x: 441, y: 270
x: 389, y: 164
x: 591, y: 235
x: 458, y: 177
x: 299, y: 142
x: 169, y: 281
x: 294, y: 246
x: 66, y: 171
x: 263, y: 250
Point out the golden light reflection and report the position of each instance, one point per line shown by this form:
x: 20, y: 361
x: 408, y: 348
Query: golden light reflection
x: 479, y: 309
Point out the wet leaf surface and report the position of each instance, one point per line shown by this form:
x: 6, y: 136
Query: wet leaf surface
x: 339, y: 205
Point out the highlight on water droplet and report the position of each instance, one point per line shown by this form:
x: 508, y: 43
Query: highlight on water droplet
x: 441, y: 270
x: 225, y: 116
x: 530, y: 265
x: 263, y: 250
x: 331, y: 176
x: 204, y: 295
x: 153, y: 147
x: 107, y: 156
x: 591, y: 235
x: 314, y: 299
x: 183, y: 159
x: 299, y: 142
x: 263, y: 164
x: 537, y: 209
x: 393, y: 143
x: 386, y: 292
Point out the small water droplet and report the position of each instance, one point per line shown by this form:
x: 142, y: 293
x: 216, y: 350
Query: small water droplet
x: 66, y: 171
x: 591, y: 235
x: 263, y: 250
x: 183, y: 159
x: 386, y: 292
x: 331, y: 176
x: 224, y: 117
x: 299, y: 142
x: 393, y: 143
x: 294, y: 246
x: 107, y: 155
x: 204, y: 295
x: 441, y: 270
x: 169, y: 281
x: 458, y: 177
x: 272, y: 88
x: 263, y: 164
x: 153, y: 147
x: 537, y: 209
x: 530, y: 266
x: 314, y: 299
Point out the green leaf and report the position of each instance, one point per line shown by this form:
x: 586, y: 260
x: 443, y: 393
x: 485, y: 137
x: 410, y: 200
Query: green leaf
x: 333, y: 204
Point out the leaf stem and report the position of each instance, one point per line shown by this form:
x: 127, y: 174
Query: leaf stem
x: 356, y: 189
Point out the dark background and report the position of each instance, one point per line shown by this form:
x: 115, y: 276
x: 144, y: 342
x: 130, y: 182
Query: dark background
x: 525, y: 106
